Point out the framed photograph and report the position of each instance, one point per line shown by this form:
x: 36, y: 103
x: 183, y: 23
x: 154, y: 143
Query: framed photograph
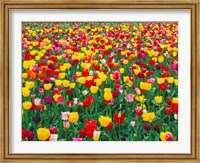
x: 99, y: 81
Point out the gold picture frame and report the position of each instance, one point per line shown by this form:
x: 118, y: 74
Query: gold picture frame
x: 192, y: 5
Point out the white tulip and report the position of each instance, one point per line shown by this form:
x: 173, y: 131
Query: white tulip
x: 53, y: 137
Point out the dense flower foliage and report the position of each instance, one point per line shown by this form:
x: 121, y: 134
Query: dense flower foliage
x: 90, y: 81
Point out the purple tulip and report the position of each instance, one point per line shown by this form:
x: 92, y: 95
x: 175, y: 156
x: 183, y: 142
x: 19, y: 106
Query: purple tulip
x: 74, y: 77
x: 75, y: 61
x: 115, y: 93
x: 158, y: 66
x: 36, y: 119
x: 31, y: 135
x: 152, y: 72
x: 51, y: 66
x: 146, y: 126
x: 134, y: 87
x: 48, y: 100
x: 142, y: 55
x: 140, y: 75
x: 137, y: 62
x: 46, y: 80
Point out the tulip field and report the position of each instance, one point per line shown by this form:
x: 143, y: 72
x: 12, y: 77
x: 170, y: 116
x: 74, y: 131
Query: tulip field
x: 99, y: 81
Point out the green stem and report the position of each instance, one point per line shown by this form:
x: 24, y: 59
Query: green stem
x: 73, y: 128
x: 66, y: 134
x: 119, y: 131
x: 132, y: 134
x: 109, y: 137
x: 26, y: 115
x: 47, y: 122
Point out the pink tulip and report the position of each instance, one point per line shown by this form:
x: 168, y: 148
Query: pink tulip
x: 37, y: 101
x: 77, y: 139
x: 60, y: 100
x: 116, y: 75
x: 53, y: 130
x: 66, y: 124
x: 118, y: 86
x: 65, y: 116
x: 129, y: 97
x: 41, y: 90
x: 74, y: 77
x: 151, y: 80
x: 132, y: 123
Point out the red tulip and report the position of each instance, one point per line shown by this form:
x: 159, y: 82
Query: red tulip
x: 169, y: 137
x: 157, y: 125
x: 163, y: 87
x: 33, y: 106
x: 69, y: 91
x: 174, y: 107
x: 138, y: 111
x: 69, y: 103
x: 152, y: 62
x: 82, y: 133
x: 119, y: 118
x: 169, y: 102
x: 53, y: 130
x: 85, y: 73
x: 110, y: 125
x: 89, y: 83
x: 168, y: 110
x: 116, y: 75
x: 40, y: 107
x: 24, y: 133
x: 106, y: 52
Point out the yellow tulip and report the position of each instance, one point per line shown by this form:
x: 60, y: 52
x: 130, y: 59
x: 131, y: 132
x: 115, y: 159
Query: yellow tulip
x: 66, y: 83
x: 94, y: 89
x: 107, y: 96
x: 25, y: 92
x: 170, y: 80
x: 160, y: 80
x: 96, y: 135
x: 43, y: 134
x: 27, y: 105
x: 158, y: 99
x: 98, y: 82
x: 149, y: 117
x: 61, y: 75
x: 29, y: 84
x: 104, y: 120
x: 58, y: 82
x: 73, y: 117
x: 81, y: 80
x: 72, y: 85
x: 47, y: 86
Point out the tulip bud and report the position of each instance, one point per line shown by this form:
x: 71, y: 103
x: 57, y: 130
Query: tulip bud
x: 175, y: 116
x: 119, y: 114
x: 66, y: 125
x: 36, y: 119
